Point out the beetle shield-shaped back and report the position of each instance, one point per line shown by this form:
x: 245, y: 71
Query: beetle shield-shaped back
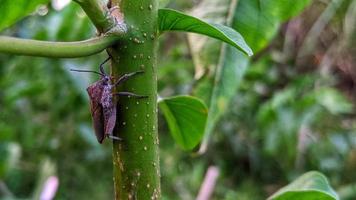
x: 103, y: 108
x: 95, y: 92
x: 109, y: 109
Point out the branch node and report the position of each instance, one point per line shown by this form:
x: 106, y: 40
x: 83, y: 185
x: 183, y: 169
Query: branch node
x: 118, y: 26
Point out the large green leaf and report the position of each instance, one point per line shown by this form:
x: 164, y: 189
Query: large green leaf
x: 186, y: 117
x: 258, y: 21
x: 311, y: 185
x: 172, y: 20
x: 12, y: 11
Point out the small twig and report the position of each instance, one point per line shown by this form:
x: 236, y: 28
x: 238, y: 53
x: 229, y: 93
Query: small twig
x: 102, y: 17
x: 30, y: 47
x: 50, y: 188
x: 208, y: 186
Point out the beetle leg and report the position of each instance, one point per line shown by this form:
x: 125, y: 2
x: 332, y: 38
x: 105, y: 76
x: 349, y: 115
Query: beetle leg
x: 114, y: 137
x: 129, y: 94
x: 125, y: 77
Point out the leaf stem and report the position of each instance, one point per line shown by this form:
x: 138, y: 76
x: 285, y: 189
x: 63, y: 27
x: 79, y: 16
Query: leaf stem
x: 30, y: 47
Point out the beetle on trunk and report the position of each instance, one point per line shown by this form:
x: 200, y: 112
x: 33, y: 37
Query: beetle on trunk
x: 103, y: 104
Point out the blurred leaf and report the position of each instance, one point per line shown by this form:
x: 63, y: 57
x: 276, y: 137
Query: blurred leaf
x: 163, y: 3
x: 171, y: 20
x: 12, y: 11
x: 10, y: 157
x: 311, y: 185
x: 310, y: 40
x: 285, y: 9
x: 227, y: 81
x: 24, y: 89
x: 186, y: 117
x: 203, y: 50
x: 333, y: 101
x: 217, y: 91
x: 203, y: 90
x: 259, y: 20
x: 347, y: 192
x: 42, y: 105
x: 232, y: 67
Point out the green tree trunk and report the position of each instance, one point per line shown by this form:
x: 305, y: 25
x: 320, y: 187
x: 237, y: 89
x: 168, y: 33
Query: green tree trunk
x: 135, y: 158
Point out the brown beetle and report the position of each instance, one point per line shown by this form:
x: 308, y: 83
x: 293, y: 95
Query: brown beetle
x: 103, y: 105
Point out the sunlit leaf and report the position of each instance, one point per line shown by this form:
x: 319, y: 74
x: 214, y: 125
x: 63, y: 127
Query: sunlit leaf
x: 186, y: 117
x: 12, y: 11
x: 172, y: 20
x: 312, y: 185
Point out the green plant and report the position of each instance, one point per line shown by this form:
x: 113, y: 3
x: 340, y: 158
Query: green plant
x: 132, y: 45
x: 136, y: 159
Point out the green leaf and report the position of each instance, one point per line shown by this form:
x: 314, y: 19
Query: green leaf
x: 186, y: 117
x: 12, y: 11
x: 311, y: 185
x: 259, y: 20
x: 172, y: 20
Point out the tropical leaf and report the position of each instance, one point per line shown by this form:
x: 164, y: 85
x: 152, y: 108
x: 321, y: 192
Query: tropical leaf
x: 172, y: 20
x: 311, y: 185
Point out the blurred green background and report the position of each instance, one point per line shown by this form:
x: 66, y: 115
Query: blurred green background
x: 292, y: 112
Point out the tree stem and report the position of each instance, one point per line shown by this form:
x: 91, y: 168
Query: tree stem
x: 135, y: 158
x: 29, y: 47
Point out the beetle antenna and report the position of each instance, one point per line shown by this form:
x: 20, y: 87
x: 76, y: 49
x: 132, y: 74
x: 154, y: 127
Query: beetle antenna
x: 101, y: 68
x: 90, y: 71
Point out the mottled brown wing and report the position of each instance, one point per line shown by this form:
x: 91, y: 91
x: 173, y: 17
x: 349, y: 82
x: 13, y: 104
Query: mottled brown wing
x: 109, y: 119
x: 95, y: 92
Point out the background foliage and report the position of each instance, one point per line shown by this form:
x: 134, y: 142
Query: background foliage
x: 288, y: 110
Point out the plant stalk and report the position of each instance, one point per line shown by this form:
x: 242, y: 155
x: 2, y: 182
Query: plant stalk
x: 30, y: 47
x: 135, y: 158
